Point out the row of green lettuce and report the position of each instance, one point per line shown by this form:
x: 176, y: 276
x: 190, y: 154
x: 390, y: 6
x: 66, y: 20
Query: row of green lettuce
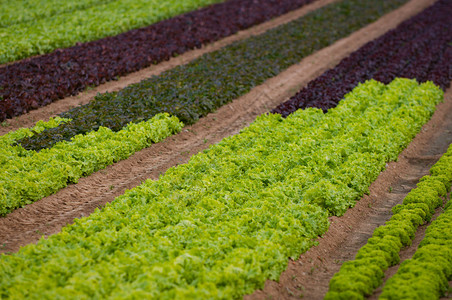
x: 31, y: 10
x: 27, y: 176
x: 64, y: 29
x: 360, y: 277
x: 220, y: 225
x: 427, y: 274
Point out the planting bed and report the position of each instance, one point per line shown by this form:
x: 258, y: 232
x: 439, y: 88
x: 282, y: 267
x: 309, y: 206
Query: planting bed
x: 50, y: 214
x: 41, y: 80
x: 418, y: 48
x: 362, y: 275
x: 187, y: 92
x: 39, y: 28
x: 311, y: 273
x: 227, y: 221
x: 237, y: 182
x: 86, y: 96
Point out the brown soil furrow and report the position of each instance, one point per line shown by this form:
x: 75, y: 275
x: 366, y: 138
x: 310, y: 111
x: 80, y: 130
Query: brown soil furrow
x: 51, y: 110
x: 47, y: 216
x: 310, y: 275
x: 406, y: 253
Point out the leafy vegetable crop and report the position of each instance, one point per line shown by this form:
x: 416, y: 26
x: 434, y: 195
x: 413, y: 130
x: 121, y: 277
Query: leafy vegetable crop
x: 32, y: 10
x: 39, y: 81
x: 92, y: 22
x: 427, y: 274
x: 419, y: 48
x: 196, y: 89
x: 220, y: 225
x: 27, y: 176
x: 420, y: 279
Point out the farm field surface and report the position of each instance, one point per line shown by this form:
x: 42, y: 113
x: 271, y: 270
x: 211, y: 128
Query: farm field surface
x: 42, y: 26
x: 187, y: 92
x: 41, y: 80
x: 306, y: 156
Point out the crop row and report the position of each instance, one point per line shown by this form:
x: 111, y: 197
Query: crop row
x: 419, y: 48
x: 36, y: 82
x: 427, y: 274
x: 37, y: 9
x: 62, y: 30
x: 220, y: 225
x: 193, y: 90
x: 359, y: 277
x: 27, y: 176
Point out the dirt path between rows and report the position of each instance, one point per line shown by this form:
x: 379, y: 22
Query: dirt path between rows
x: 309, y: 276
x: 47, y: 216
x: 51, y: 110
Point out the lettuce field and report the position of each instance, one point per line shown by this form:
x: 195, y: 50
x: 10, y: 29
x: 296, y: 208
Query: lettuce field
x: 235, y: 149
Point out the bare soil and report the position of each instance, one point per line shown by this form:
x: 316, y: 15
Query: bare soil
x: 51, y: 110
x: 309, y: 276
